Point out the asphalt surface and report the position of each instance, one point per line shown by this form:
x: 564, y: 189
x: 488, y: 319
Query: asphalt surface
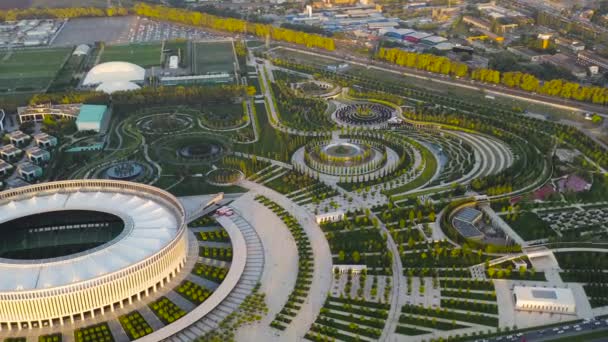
x: 548, y: 334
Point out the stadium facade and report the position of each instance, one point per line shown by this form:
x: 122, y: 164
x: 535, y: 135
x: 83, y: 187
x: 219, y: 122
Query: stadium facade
x: 74, y: 280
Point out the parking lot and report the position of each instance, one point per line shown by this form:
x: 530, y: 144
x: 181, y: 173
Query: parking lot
x: 124, y: 30
x: 145, y: 30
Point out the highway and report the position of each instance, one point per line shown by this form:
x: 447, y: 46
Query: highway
x: 548, y: 334
x: 497, y: 90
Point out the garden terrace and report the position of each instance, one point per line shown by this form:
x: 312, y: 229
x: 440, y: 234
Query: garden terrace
x: 447, y: 314
x: 167, y: 311
x: 134, y: 325
x: 213, y: 273
x: 467, y: 305
x: 305, y: 265
x: 403, y: 147
x: 349, y: 320
x: 301, y: 113
x: 218, y: 253
x: 219, y: 235
x: 362, y: 245
x: 193, y: 292
x: 469, y: 284
x: 291, y: 181
x: 443, y: 257
x: 95, y: 333
x: 529, y: 226
x: 312, y: 194
x: 49, y: 338
x: 248, y: 166
x: 588, y: 268
x: 457, y: 154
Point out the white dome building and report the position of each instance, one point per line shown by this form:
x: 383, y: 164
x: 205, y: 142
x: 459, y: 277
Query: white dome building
x: 114, y: 76
x: 110, y: 87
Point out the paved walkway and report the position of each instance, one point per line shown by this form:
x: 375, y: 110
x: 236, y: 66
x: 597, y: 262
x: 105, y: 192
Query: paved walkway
x: 322, y: 275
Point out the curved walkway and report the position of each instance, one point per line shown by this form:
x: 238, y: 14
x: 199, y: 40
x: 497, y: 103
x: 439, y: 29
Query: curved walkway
x: 322, y: 275
x: 251, y: 267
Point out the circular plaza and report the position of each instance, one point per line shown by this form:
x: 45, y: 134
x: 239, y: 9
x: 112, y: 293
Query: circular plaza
x: 371, y: 115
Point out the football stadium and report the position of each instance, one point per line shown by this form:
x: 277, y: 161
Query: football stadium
x: 77, y: 249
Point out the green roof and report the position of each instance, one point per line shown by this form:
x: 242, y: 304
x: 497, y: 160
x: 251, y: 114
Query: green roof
x: 91, y: 113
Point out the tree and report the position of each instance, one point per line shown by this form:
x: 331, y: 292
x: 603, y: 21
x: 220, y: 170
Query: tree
x: 341, y: 256
x: 356, y: 257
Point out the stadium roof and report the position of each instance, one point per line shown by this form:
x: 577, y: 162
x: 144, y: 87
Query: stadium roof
x: 111, y: 87
x: 149, y: 226
x: 114, y: 72
x: 91, y: 113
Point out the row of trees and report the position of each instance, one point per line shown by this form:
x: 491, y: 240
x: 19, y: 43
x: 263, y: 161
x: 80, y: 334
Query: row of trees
x: 233, y: 25
x: 423, y: 61
x: 69, y: 12
x: 124, y: 101
x: 181, y: 16
x: 513, y: 79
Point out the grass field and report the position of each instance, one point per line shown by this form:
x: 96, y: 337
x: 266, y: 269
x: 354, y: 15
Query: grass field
x: 210, y: 57
x: 144, y: 55
x: 30, y: 69
x: 530, y: 227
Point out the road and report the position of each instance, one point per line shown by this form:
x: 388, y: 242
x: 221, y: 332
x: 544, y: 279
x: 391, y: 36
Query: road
x: 548, y: 334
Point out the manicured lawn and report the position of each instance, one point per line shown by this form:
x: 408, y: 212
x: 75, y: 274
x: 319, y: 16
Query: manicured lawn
x: 211, y: 57
x: 94, y: 333
x: 144, y: 55
x: 30, y: 69
x: 530, y: 227
x: 135, y: 325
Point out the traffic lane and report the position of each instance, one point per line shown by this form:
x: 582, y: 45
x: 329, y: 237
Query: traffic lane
x: 566, y: 330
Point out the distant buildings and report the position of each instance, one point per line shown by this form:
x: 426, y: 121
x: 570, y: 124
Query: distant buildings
x: 587, y: 58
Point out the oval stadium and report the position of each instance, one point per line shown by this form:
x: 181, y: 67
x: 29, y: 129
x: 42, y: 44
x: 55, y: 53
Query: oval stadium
x: 77, y: 249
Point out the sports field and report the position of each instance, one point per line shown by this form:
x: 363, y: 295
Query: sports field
x: 211, y: 57
x: 30, y: 69
x: 144, y: 55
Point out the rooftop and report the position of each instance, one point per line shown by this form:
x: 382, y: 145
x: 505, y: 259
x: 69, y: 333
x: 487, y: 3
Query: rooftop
x: 468, y: 214
x: 91, y: 113
x: 544, y: 295
x: 28, y: 167
x: 9, y: 149
x: 18, y: 135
